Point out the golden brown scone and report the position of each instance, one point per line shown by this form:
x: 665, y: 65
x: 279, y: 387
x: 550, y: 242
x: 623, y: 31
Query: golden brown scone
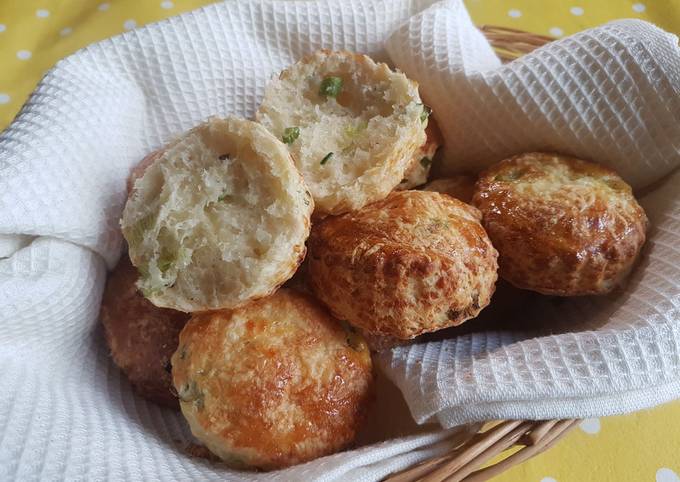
x: 141, y: 336
x: 274, y: 383
x: 562, y: 226
x: 417, y: 172
x: 415, y: 262
x: 461, y: 187
x: 380, y: 343
x: 299, y: 280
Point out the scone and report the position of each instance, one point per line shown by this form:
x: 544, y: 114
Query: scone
x: 381, y: 343
x: 352, y: 125
x: 461, y: 187
x: 139, y: 169
x: 219, y: 218
x: 413, y: 263
x: 141, y: 336
x: 419, y: 169
x: 562, y: 226
x: 274, y: 383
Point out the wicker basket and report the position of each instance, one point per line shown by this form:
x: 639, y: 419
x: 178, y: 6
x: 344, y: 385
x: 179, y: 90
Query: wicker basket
x: 516, y: 440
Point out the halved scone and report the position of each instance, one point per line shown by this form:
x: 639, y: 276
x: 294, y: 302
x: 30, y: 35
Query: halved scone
x: 352, y: 126
x: 219, y: 218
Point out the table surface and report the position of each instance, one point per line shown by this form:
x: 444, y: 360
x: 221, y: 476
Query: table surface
x: 644, y: 446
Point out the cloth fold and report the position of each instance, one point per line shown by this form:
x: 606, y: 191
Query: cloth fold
x: 609, y: 94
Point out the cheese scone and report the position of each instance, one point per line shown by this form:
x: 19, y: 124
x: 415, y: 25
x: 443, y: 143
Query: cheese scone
x: 412, y: 263
x: 352, y: 126
x: 274, y: 383
x: 141, y: 336
x: 562, y: 226
x: 419, y: 169
x: 461, y: 187
x: 381, y: 343
x: 219, y: 218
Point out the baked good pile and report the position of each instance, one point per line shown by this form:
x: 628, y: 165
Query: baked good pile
x: 327, y: 193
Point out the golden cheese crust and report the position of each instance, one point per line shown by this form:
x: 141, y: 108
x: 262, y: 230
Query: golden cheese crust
x: 562, y: 226
x: 141, y: 336
x: 274, y: 383
x: 381, y: 343
x: 461, y: 187
x: 415, y: 262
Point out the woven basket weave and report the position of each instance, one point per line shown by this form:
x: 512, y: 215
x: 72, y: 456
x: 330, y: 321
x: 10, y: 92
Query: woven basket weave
x: 515, y: 441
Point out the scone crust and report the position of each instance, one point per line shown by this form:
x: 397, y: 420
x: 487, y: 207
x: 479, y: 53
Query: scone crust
x: 139, y: 169
x: 419, y: 168
x: 562, y: 226
x: 415, y: 262
x: 373, y: 128
x: 141, y: 336
x: 218, y: 218
x: 272, y: 384
x: 462, y: 187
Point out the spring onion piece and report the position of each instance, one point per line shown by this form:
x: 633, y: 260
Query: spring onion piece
x: 164, y: 263
x: 425, y: 162
x: 426, y: 113
x: 353, y: 130
x: 330, y: 87
x: 326, y: 158
x: 290, y: 134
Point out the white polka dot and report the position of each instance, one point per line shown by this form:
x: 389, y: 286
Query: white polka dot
x: 129, y: 24
x: 4, y: 98
x: 590, y: 425
x: 556, y: 32
x: 666, y: 475
x: 167, y: 4
x: 66, y: 31
x: 42, y: 13
x: 103, y: 7
x: 514, y: 13
x: 24, y: 54
x: 548, y: 479
x: 576, y: 10
x: 2, y: 27
x: 639, y: 7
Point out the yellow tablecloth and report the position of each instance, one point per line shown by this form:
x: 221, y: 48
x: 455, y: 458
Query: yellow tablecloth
x: 645, y: 446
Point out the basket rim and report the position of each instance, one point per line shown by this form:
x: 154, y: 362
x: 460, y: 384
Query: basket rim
x: 511, y: 43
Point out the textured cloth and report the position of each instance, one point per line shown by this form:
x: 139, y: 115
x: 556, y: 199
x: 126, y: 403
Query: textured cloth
x: 610, y: 94
x: 67, y: 413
